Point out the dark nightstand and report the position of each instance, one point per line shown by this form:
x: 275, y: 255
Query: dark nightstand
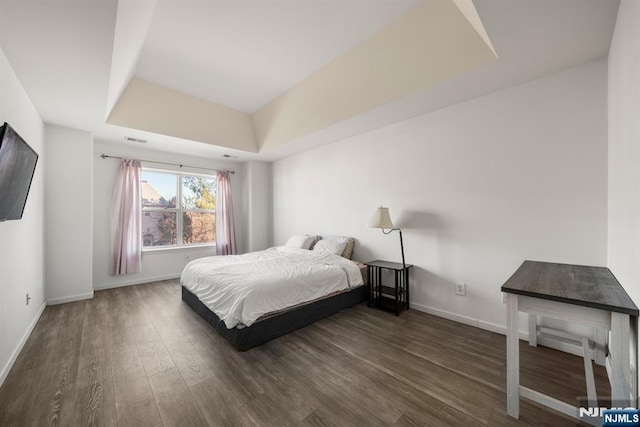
x: 394, y: 298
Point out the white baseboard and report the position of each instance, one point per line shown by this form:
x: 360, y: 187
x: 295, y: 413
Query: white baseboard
x: 72, y: 298
x: 7, y: 367
x: 134, y: 282
x: 499, y: 329
x: 446, y: 314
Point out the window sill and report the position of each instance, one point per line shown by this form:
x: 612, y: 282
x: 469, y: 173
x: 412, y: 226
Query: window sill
x: 163, y: 249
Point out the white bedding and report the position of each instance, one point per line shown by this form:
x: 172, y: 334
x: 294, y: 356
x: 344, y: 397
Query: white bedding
x: 241, y: 288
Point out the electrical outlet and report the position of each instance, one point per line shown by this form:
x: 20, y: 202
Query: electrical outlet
x: 187, y: 257
x: 504, y: 297
x: 461, y: 289
x: 28, y: 299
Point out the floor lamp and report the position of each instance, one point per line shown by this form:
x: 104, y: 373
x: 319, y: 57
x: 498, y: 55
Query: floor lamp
x: 380, y: 219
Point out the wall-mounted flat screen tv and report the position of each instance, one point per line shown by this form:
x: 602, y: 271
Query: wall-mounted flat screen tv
x: 17, y: 166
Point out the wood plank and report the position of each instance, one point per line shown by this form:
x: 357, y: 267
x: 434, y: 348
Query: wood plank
x: 191, y: 365
x: 154, y: 356
x: 336, y: 414
x: 264, y: 410
x: 434, y: 415
x: 531, y: 414
x: 135, y: 404
x: 174, y: 400
x: 48, y: 405
x: 218, y: 406
x: 125, y: 360
x: 288, y: 390
x: 16, y: 408
x: 94, y: 365
x: 93, y: 405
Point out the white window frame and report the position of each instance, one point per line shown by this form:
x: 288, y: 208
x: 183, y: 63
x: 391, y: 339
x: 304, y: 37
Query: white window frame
x: 179, y: 211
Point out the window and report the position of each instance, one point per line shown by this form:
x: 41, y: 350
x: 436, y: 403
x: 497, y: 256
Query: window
x: 177, y: 209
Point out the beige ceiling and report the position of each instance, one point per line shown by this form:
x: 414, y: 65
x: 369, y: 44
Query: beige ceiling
x: 263, y: 79
x: 199, y: 63
x: 244, y: 53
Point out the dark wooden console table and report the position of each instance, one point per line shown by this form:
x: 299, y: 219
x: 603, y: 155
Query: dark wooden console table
x: 394, y: 298
x: 587, y: 295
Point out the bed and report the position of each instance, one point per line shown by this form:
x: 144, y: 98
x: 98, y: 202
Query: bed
x: 253, y: 298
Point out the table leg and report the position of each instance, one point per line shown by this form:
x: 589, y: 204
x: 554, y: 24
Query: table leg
x: 396, y: 278
x: 592, y: 396
x: 533, y: 330
x: 378, y: 285
x: 406, y: 284
x: 600, y: 336
x: 370, y: 280
x: 513, y: 357
x: 620, y: 361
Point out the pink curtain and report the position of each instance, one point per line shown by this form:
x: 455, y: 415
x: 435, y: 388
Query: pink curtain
x: 126, y: 239
x: 225, y: 231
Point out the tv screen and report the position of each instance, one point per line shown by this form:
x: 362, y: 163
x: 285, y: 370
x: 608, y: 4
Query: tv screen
x: 17, y: 166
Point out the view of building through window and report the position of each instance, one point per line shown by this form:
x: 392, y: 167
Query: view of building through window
x: 177, y: 209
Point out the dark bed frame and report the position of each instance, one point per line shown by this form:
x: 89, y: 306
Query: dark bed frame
x: 279, y: 324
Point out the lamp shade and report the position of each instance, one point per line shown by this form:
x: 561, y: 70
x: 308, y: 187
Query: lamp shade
x: 381, y: 219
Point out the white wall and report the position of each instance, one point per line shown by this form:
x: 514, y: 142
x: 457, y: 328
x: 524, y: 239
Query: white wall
x: 68, y: 190
x: 257, y: 205
x: 21, y: 242
x: 624, y: 150
x: 156, y: 265
x: 477, y: 188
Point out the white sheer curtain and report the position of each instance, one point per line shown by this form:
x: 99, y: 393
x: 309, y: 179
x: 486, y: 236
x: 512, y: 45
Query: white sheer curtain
x: 225, y: 230
x: 126, y: 239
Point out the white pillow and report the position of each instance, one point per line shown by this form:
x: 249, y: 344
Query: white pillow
x: 334, y: 246
x: 301, y: 242
x: 348, y: 249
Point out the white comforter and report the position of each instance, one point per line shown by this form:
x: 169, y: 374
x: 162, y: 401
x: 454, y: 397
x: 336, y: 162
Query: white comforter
x: 241, y: 288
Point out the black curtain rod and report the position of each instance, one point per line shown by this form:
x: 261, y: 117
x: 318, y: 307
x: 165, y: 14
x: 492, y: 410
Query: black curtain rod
x: 106, y: 156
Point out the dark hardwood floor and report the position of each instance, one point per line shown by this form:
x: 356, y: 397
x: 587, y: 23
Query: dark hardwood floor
x: 138, y: 356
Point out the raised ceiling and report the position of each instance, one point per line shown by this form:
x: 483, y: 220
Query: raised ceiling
x: 262, y: 80
x: 244, y: 53
x: 189, y: 92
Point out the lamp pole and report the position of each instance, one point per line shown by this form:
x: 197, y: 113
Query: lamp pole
x: 401, y: 243
x: 402, y: 249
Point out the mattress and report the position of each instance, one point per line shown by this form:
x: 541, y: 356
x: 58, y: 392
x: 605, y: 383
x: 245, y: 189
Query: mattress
x: 240, y: 289
x: 275, y: 325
